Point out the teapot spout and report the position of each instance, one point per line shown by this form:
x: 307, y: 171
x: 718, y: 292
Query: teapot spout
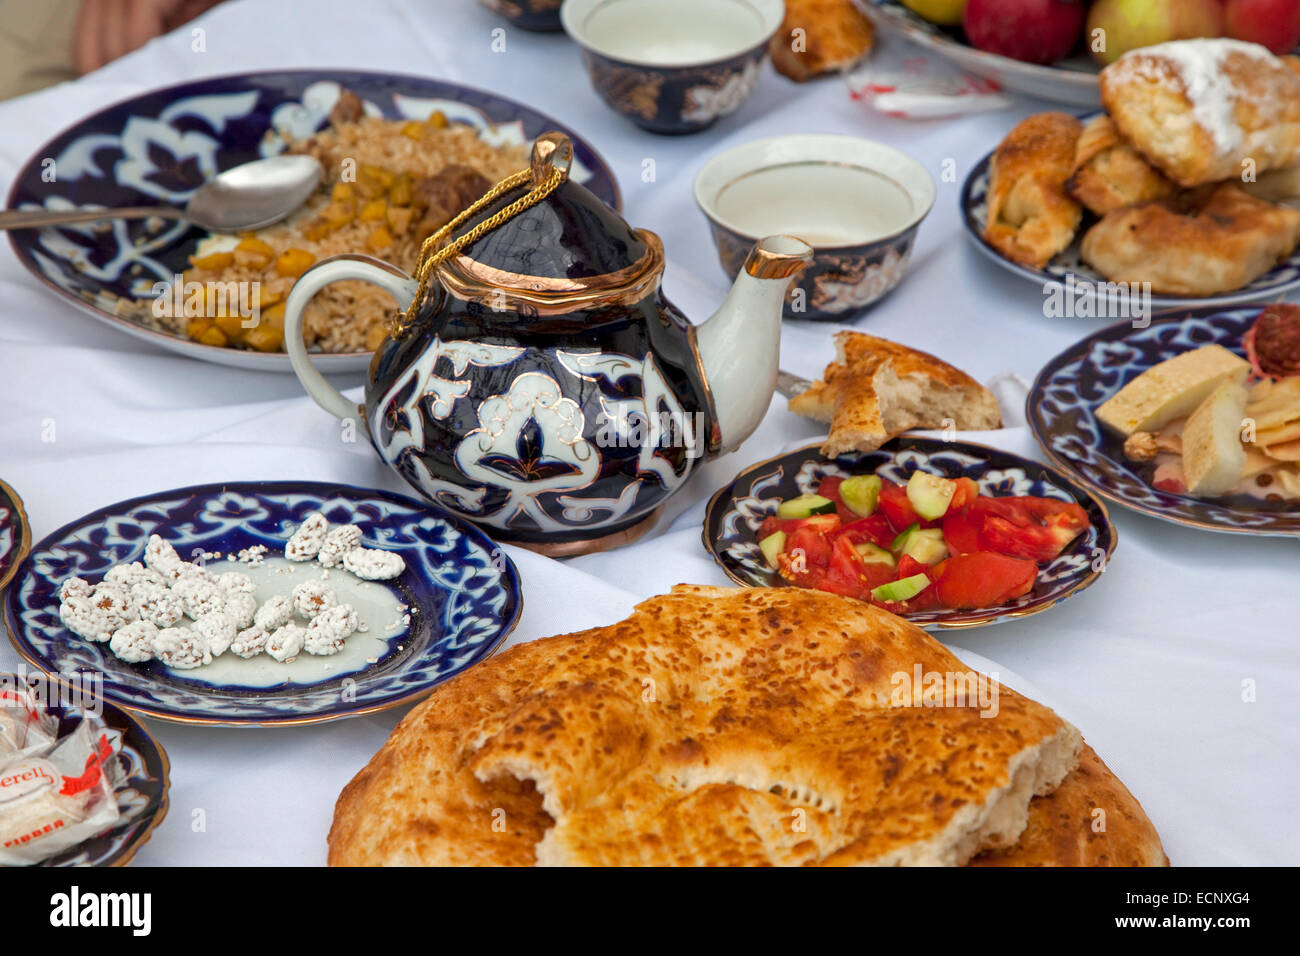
x: 740, y: 344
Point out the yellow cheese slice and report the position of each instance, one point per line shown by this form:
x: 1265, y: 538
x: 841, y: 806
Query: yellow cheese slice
x: 1172, y: 389
x: 1213, y: 456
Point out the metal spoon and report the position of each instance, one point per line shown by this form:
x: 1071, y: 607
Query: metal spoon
x: 244, y: 197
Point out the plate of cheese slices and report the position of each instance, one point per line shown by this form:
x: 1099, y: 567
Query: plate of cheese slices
x: 1193, y: 418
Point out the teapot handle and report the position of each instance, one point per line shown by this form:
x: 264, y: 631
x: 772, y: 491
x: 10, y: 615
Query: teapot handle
x: 335, y: 269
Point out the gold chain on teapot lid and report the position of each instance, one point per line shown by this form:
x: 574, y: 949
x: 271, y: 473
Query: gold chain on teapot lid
x: 544, y: 173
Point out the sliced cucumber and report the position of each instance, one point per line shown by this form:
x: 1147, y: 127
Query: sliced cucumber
x: 860, y: 494
x: 903, y: 590
x: 805, y: 506
x: 927, y: 546
x: 930, y: 494
x: 899, y: 544
x: 875, y: 554
x: 771, y: 546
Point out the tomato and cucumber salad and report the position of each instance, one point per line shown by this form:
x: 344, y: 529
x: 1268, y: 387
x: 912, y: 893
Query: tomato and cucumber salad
x: 930, y: 544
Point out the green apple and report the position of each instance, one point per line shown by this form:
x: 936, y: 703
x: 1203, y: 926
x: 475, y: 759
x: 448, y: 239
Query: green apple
x: 946, y: 13
x: 1117, y: 26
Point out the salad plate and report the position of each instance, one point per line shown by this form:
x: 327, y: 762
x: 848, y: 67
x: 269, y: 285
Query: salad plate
x: 15, y: 534
x: 456, y: 601
x: 1072, y: 80
x: 738, y: 510
x: 1081, y: 281
x: 157, y: 147
x: 1061, y: 410
x: 141, y: 799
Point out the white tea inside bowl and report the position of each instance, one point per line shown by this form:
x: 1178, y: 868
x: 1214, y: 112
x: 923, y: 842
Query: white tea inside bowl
x: 823, y: 204
x: 673, y: 32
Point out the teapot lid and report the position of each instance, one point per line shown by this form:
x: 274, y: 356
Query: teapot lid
x: 568, y: 250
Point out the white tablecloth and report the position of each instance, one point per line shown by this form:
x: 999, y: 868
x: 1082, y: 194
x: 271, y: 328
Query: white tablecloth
x: 1149, y: 663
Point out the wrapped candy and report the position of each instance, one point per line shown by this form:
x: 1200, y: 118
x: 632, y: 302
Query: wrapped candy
x: 52, y: 801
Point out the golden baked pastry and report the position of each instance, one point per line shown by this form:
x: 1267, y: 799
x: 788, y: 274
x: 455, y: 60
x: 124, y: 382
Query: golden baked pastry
x: 713, y: 726
x: 1200, y: 109
x: 876, y: 389
x: 835, y: 36
x: 1218, y: 245
x: 1109, y: 174
x: 1065, y: 829
x: 1030, y: 215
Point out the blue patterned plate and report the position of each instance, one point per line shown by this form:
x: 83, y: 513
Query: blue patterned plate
x: 1061, y: 411
x: 1069, y: 269
x: 158, y: 147
x: 141, y: 800
x: 15, y: 533
x: 462, y: 590
x: 737, y: 510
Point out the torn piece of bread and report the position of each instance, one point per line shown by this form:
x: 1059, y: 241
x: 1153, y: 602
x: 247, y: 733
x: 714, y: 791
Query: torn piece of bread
x: 1030, y: 215
x: 877, y: 389
x: 833, y: 35
x: 715, y: 726
x: 1110, y: 174
x: 1091, y: 819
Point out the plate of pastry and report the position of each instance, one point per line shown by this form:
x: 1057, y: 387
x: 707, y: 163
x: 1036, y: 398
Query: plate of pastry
x: 15, y: 533
x: 1194, y: 418
x: 1122, y: 216
x: 401, y: 155
x: 263, y: 603
x: 990, y: 777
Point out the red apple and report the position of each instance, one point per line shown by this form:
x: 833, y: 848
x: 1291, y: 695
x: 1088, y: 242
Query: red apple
x: 1036, y: 31
x: 1272, y: 23
x: 1117, y: 26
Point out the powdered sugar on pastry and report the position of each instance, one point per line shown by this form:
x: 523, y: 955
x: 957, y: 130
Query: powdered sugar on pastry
x: 1199, y: 65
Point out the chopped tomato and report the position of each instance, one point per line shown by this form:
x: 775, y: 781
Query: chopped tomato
x: 875, y: 529
x: 810, y: 545
x: 908, y: 566
x: 895, y: 506
x: 770, y: 526
x: 829, y: 487
x: 984, y: 579
x: 961, y: 530
x: 967, y: 492
x: 1028, y: 527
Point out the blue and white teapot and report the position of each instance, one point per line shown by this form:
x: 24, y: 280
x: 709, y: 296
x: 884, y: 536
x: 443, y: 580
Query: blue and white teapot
x: 539, y: 383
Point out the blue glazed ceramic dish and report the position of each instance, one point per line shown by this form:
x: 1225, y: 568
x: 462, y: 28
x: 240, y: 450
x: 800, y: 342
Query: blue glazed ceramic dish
x: 462, y: 591
x: 1062, y: 405
x: 1071, y: 271
x: 736, y: 511
x: 15, y: 533
x: 157, y: 148
x: 673, y: 66
x: 542, y: 16
x: 141, y: 800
